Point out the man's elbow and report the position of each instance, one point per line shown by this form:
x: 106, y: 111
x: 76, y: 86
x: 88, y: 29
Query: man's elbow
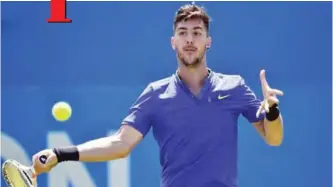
x: 124, y: 150
x: 118, y: 150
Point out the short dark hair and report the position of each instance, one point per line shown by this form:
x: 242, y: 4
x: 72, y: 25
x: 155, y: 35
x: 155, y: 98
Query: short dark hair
x: 191, y: 11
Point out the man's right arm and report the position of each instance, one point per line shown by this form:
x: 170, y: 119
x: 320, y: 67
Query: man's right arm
x: 116, y: 146
x: 113, y: 147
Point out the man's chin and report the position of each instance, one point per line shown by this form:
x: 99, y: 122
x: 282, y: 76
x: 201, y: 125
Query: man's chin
x: 191, y: 63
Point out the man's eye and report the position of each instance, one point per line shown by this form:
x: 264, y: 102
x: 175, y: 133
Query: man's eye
x: 197, y: 33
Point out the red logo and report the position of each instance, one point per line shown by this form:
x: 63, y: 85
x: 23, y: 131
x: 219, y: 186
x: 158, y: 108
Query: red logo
x: 58, y: 12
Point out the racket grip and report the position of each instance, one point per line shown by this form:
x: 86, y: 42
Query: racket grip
x: 43, y: 159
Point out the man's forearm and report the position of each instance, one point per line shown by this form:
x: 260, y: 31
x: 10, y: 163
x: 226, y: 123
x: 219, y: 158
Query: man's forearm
x: 273, y: 131
x: 103, y: 149
x: 108, y: 148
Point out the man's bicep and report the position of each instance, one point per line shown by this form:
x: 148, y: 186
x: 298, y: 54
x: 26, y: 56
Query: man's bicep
x: 130, y: 135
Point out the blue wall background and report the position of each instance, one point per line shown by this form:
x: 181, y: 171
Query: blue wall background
x: 101, y: 62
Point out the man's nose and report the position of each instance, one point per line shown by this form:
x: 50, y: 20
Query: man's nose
x: 189, y: 39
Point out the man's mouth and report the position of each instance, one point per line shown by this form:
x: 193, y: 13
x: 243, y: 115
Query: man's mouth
x: 190, y: 49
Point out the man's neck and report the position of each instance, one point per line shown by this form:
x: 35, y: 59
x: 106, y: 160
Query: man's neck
x: 193, y: 77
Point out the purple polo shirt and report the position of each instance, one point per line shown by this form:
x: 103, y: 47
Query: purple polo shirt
x: 197, y: 135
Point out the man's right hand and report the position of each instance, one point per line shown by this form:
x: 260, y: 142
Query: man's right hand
x: 50, y: 162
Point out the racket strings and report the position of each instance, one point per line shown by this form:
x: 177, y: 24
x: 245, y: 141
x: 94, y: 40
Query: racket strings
x: 9, y: 181
x: 14, y: 177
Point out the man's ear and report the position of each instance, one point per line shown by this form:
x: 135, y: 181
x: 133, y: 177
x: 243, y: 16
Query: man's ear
x: 209, y: 42
x: 173, y: 43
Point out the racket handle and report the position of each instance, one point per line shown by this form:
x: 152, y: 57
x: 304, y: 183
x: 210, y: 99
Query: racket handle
x: 43, y: 159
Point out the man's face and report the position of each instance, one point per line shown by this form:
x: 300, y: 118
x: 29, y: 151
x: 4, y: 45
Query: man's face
x: 190, y: 42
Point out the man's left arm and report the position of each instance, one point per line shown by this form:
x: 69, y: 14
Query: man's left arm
x: 265, y: 116
x: 271, y: 127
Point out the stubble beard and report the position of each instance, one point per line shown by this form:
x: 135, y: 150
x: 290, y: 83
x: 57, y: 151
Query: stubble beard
x: 196, y: 62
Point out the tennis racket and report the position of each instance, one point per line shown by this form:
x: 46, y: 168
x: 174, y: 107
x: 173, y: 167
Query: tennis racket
x: 19, y: 175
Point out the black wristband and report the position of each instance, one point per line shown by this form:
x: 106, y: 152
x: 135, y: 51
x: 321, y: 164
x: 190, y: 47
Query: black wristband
x: 69, y: 153
x: 273, y: 113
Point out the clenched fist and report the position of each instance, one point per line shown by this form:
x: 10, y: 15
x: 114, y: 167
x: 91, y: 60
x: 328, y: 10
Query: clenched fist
x: 44, y: 161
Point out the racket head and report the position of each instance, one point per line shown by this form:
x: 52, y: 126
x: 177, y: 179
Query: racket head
x: 18, y: 175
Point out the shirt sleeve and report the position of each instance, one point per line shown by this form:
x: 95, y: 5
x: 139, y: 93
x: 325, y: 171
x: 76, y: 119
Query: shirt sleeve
x: 250, y: 103
x: 139, y: 116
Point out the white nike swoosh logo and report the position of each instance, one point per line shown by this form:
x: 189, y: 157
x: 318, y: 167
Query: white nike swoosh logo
x: 223, y: 97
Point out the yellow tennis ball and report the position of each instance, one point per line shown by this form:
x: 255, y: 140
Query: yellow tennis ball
x: 61, y: 111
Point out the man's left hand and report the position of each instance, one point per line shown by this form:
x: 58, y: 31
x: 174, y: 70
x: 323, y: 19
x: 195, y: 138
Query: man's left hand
x: 268, y: 93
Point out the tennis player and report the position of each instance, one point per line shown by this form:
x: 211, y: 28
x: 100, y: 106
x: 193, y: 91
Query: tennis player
x: 193, y: 115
